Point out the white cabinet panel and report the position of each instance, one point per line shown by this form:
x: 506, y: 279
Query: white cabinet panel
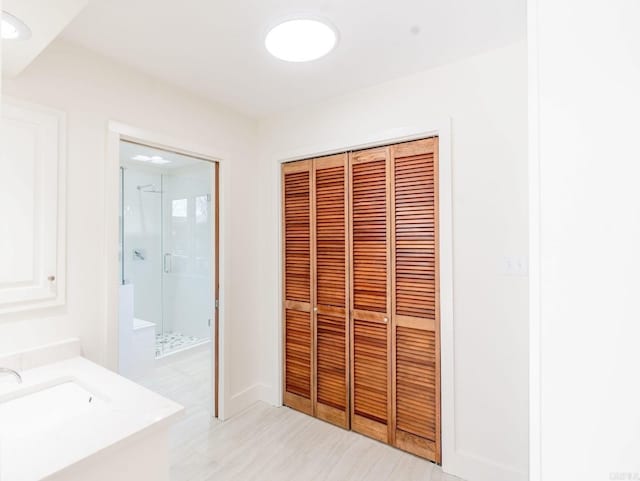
x: 32, y: 207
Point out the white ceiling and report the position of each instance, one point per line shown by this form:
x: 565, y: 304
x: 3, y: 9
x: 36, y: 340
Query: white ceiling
x: 216, y: 47
x: 46, y: 20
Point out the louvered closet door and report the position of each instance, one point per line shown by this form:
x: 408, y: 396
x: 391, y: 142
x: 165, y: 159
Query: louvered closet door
x: 331, y: 312
x: 415, y: 323
x: 370, y: 293
x: 298, y: 285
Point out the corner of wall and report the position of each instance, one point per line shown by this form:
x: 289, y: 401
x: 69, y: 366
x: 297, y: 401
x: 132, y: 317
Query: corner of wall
x: 244, y: 399
x: 471, y: 467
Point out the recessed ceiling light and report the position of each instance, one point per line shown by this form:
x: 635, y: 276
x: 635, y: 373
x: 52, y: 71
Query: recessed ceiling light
x: 12, y: 28
x: 154, y: 159
x: 301, y: 40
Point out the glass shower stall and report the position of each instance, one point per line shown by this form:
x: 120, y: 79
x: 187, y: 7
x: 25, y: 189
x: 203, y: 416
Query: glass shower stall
x: 166, y: 244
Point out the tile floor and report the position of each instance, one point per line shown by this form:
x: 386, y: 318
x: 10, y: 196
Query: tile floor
x: 266, y: 443
x: 170, y: 342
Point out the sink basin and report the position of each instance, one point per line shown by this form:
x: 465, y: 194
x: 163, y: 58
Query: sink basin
x: 45, y: 407
x: 73, y: 420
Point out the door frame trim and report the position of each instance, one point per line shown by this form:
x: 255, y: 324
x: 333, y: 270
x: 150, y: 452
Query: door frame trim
x: 117, y: 132
x: 441, y: 127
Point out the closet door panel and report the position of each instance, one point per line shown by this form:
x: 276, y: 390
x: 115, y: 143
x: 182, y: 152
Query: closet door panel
x: 415, y: 333
x: 370, y: 378
x: 298, y: 344
x: 331, y: 274
x: 370, y: 293
x: 332, y: 402
x: 415, y: 387
x: 298, y: 285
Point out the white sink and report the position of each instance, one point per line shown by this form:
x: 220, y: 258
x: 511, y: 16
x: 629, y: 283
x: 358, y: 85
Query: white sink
x: 73, y: 420
x: 44, y: 407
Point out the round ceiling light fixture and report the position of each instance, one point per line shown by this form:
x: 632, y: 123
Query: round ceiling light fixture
x: 301, y: 40
x: 12, y: 28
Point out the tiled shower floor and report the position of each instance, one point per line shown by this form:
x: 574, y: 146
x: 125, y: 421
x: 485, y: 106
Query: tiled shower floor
x: 171, y: 342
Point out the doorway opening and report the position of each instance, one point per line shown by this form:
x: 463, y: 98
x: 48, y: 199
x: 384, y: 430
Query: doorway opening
x: 168, y: 272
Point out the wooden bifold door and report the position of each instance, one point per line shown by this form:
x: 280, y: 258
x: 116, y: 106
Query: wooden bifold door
x: 315, y: 272
x: 361, y: 292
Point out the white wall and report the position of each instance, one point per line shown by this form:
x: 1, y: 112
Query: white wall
x: 93, y: 90
x: 485, y: 96
x: 586, y: 205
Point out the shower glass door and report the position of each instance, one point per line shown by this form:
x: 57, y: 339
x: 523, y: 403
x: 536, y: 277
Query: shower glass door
x: 187, y: 257
x: 167, y: 244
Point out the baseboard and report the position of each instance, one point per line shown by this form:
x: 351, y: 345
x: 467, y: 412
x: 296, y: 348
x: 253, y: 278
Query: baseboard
x: 467, y: 466
x: 471, y: 467
x: 245, y: 398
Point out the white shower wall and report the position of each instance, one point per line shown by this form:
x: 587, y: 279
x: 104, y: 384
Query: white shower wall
x: 142, y: 232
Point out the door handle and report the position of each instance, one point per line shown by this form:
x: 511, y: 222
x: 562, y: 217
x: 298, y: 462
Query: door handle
x: 167, y: 263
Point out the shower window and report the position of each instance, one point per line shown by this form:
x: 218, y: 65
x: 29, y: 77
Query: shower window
x: 202, y: 214
x: 179, y: 207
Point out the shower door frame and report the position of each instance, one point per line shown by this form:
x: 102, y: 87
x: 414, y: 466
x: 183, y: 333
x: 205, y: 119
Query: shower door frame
x: 116, y: 133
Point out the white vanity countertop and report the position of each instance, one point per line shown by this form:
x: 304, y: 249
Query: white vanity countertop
x: 76, y: 409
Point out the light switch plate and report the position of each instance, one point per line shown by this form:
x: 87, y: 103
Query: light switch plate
x: 517, y: 266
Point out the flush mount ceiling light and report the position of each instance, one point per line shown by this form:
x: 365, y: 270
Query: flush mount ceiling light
x: 159, y: 160
x: 154, y: 159
x: 301, y: 40
x: 12, y: 28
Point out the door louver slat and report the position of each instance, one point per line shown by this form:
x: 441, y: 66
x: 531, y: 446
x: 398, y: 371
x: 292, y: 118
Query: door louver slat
x: 370, y: 236
x: 298, y: 352
x: 297, y: 239
x: 415, y: 382
x: 370, y: 370
x: 415, y: 237
x: 331, y: 361
x: 330, y: 235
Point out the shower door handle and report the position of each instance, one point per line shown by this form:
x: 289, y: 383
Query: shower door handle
x: 167, y: 263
